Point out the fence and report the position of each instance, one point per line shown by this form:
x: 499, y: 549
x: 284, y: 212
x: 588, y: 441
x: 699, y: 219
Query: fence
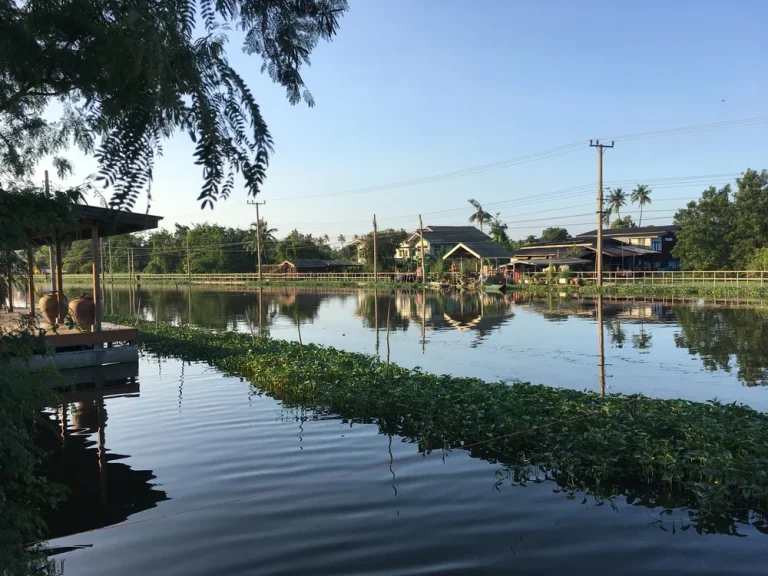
x: 244, y: 278
x: 706, y: 277
x: 713, y: 278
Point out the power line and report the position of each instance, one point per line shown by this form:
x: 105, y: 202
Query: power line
x: 544, y: 154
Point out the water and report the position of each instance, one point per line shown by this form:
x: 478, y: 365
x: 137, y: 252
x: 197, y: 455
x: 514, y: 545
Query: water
x: 195, y: 473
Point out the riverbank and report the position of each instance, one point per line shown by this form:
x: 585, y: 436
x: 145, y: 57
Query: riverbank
x: 647, y: 290
x: 707, y: 457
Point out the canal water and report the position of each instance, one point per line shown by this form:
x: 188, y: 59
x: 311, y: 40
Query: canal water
x: 177, y: 469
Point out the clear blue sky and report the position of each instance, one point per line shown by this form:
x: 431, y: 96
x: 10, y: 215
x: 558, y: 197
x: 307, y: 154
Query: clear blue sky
x: 415, y: 88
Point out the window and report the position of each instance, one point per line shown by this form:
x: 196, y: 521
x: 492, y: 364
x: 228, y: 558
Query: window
x: 656, y: 244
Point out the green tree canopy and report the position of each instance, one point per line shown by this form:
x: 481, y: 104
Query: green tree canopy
x: 127, y: 75
x: 387, y: 242
x: 554, y: 234
x: 625, y: 222
x: 750, y: 217
x: 703, y: 241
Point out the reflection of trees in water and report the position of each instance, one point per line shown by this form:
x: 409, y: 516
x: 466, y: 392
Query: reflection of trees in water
x: 720, y: 336
x: 372, y: 308
x: 617, y: 333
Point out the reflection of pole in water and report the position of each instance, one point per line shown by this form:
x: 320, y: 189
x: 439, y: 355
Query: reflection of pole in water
x: 423, y: 318
x: 102, y: 419
x: 64, y: 417
x: 189, y: 304
x: 600, y: 345
x: 389, y: 307
x: 391, y: 469
x: 376, y: 317
x: 261, y: 322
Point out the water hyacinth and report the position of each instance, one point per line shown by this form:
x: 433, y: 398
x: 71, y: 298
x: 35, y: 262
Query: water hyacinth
x: 709, y: 458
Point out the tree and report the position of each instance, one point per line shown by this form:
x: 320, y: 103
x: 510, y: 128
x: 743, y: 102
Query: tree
x: 606, y: 219
x: 641, y: 196
x: 268, y: 241
x: 703, y: 241
x: 554, y: 234
x: 127, y: 75
x: 341, y: 239
x: 750, y: 217
x: 616, y: 200
x: 625, y: 222
x: 499, y: 231
x: 301, y: 246
x: 479, y: 216
x: 759, y: 260
x: 387, y: 242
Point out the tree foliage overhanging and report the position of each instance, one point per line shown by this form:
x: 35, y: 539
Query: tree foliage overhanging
x: 127, y: 75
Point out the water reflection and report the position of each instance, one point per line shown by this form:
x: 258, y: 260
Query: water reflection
x: 728, y: 339
x: 102, y: 490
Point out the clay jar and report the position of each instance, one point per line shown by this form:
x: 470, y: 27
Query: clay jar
x: 83, y: 311
x: 49, y: 307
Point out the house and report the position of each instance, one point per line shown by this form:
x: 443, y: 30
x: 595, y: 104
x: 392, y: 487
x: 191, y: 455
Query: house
x: 355, y: 246
x: 580, y: 254
x: 314, y: 265
x: 660, y: 239
x: 478, y: 256
x: 438, y: 241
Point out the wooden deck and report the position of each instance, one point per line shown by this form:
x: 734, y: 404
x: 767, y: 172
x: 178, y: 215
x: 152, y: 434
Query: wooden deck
x: 72, y: 338
x: 75, y: 349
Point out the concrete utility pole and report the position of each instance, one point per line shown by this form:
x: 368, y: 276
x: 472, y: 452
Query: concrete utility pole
x: 423, y: 254
x: 375, y: 261
x: 111, y: 270
x: 258, y: 236
x: 599, y: 255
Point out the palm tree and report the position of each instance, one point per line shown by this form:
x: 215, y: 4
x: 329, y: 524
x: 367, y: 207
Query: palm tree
x: 641, y: 196
x: 617, y: 199
x: 266, y: 235
x: 341, y: 239
x: 607, y: 211
x: 479, y: 216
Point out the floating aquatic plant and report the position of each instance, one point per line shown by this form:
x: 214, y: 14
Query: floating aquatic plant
x: 710, y: 458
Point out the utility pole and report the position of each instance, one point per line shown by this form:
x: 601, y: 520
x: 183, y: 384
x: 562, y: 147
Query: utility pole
x: 375, y: 261
x: 130, y: 265
x: 599, y: 255
x: 423, y: 254
x: 111, y: 270
x: 258, y: 236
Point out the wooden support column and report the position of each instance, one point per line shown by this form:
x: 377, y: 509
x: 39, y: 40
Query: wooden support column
x: 31, y: 280
x: 60, y: 282
x: 10, y: 281
x: 95, y: 251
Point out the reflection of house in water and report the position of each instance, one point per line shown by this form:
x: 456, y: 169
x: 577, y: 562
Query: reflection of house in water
x: 463, y: 311
x: 103, y: 490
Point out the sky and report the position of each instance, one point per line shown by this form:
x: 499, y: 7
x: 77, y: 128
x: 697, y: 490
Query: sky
x: 411, y: 89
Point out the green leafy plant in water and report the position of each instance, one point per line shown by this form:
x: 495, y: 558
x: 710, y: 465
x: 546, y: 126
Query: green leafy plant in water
x: 710, y: 458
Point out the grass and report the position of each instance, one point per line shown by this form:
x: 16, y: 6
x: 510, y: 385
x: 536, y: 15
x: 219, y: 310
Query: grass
x: 710, y: 458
